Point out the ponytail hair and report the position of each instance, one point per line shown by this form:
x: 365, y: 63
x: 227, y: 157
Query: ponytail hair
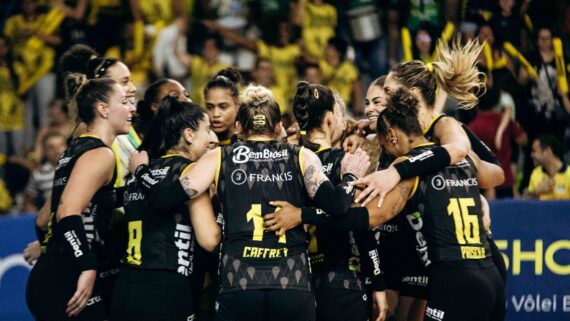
x: 168, y: 125
x: 76, y: 59
x: 83, y: 95
x: 310, y: 105
x: 401, y: 112
x: 455, y: 73
x: 258, y: 112
x: 144, y: 106
x: 228, y: 78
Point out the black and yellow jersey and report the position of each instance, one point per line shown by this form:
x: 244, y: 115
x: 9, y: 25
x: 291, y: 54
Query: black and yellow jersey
x: 445, y: 213
x: 334, y: 252
x: 96, y: 216
x: 159, y: 239
x: 250, y: 175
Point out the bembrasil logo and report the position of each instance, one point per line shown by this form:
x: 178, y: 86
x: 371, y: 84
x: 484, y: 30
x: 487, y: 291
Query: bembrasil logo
x: 243, y: 154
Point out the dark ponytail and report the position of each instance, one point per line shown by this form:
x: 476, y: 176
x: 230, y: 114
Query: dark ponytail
x: 76, y: 59
x: 144, y: 106
x: 310, y: 105
x: 168, y: 125
x: 401, y: 112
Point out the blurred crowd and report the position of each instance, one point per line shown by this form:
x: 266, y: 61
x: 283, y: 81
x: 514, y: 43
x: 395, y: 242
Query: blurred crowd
x: 523, y: 116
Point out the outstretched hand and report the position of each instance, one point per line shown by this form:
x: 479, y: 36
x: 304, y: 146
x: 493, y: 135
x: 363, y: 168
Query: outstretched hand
x: 377, y: 183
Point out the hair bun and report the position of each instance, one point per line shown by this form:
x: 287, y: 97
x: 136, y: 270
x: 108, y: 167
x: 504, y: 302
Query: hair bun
x: 402, y: 103
x: 255, y: 95
x: 231, y: 73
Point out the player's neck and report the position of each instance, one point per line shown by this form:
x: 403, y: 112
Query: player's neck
x: 320, y: 137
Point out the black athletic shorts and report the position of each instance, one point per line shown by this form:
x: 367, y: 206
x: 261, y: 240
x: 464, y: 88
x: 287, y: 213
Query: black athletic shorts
x: 342, y: 305
x: 266, y: 305
x: 141, y: 295
x: 52, y: 283
x: 465, y: 291
x: 414, y: 275
x: 402, y: 268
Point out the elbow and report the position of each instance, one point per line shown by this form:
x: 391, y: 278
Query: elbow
x: 210, y: 243
x: 458, y: 152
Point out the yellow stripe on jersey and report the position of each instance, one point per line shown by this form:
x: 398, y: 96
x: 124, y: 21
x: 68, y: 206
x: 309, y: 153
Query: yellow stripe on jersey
x: 301, y: 161
x: 415, y: 188
x: 87, y: 135
x: 428, y: 127
x: 219, y: 167
x: 170, y: 155
x: 119, y: 180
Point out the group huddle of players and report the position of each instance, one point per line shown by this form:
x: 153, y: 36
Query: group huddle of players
x: 298, y: 229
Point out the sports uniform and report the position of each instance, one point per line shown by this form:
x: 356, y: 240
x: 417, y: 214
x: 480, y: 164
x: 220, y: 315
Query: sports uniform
x: 154, y: 283
x: 485, y: 153
x: 403, y: 270
x: 262, y: 276
x: 53, y: 279
x: 342, y: 261
x: 445, y: 213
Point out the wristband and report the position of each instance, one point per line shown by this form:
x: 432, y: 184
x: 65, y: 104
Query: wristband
x: 425, y: 163
x: 144, y: 176
x: 74, y: 242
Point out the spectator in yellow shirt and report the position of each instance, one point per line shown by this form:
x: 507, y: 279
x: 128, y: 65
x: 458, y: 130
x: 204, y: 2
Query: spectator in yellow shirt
x: 550, y: 180
x: 202, y: 68
x: 341, y: 75
x: 264, y: 75
x: 318, y: 22
x: 11, y: 106
x: 32, y: 35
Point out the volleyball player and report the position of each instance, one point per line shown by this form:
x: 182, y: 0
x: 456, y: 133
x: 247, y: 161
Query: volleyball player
x: 406, y: 278
x: 222, y: 102
x: 444, y: 209
x: 456, y: 74
x: 155, y: 283
x: 63, y: 283
x: 261, y: 275
x: 338, y: 255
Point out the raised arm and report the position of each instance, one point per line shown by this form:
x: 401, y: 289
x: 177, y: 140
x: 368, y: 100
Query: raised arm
x: 231, y: 35
x: 333, y: 200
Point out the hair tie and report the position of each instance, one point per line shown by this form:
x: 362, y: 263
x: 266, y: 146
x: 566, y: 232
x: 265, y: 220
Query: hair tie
x: 429, y: 67
x: 100, y: 71
x: 259, y: 120
x: 316, y: 93
x: 222, y: 77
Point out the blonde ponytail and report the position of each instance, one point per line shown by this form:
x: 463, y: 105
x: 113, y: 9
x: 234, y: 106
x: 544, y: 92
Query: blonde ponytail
x: 456, y: 71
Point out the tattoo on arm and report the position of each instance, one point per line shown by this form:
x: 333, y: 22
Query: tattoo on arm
x: 312, y: 180
x: 402, y: 198
x: 187, y: 186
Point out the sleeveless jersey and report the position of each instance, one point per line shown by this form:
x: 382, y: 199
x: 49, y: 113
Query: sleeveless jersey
x: 445, y: 213
x: 335, y: 258
x: 96, y: 216
x: 251, y: 174
x: 159, y: 240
